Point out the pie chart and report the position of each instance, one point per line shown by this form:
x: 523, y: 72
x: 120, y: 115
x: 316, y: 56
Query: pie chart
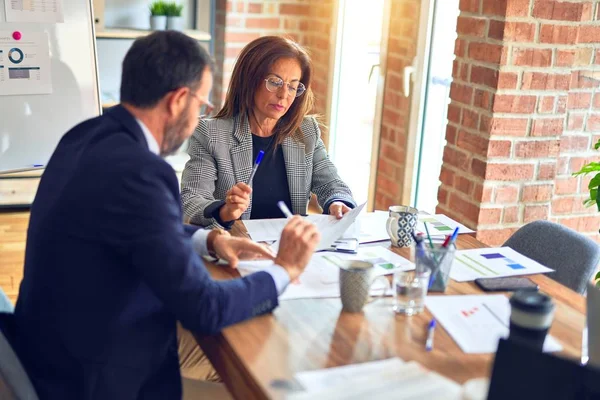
x: 15, y: 55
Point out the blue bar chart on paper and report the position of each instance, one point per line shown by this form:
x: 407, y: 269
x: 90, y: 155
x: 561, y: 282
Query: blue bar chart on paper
x: 492, y: 263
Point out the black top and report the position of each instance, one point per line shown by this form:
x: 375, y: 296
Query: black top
x: 270, y: 183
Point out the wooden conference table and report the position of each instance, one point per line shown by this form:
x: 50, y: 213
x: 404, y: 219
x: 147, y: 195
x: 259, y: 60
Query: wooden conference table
x: 257, y: 359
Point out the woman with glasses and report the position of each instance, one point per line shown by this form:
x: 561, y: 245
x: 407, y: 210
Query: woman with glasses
x: 267, y: 108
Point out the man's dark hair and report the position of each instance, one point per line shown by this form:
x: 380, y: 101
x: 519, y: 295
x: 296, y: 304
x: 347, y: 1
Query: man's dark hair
x: 159, y: 63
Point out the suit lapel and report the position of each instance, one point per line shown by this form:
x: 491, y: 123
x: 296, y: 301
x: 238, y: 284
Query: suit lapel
x: 294, y: 155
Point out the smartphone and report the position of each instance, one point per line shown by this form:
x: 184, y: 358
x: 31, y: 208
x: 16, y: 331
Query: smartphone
x: 508, y: 284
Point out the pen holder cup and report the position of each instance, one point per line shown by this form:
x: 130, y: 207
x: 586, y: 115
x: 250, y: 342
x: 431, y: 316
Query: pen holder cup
x: 437, y: 259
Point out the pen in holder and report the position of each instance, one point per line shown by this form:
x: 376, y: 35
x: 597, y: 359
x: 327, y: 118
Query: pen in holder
x: 439, y: 260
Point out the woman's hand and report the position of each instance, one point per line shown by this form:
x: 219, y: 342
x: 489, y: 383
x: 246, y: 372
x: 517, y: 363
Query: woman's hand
x: 237, y: 201
x: 338, y: 209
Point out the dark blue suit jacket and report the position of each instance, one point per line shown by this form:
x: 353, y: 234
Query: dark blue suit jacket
x: 109, y: 268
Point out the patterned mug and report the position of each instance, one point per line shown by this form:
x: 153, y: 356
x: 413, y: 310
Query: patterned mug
x: 401, y: 225
x: 356, y: 279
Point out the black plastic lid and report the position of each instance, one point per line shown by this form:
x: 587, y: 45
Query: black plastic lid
x: 531, y: 301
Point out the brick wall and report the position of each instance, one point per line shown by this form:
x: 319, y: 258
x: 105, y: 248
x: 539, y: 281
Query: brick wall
x: 523, y: 116
x: 309, y: 22
x: 401, y: 50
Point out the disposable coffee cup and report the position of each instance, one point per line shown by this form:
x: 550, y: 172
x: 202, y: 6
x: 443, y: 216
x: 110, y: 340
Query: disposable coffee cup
x: 531, y: 316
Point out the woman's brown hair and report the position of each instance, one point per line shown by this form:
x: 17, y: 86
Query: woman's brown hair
x: 252, y: 67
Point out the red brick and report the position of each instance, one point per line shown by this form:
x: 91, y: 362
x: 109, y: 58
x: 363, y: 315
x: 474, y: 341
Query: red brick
x: 509, y: 172
x: 484, y: 76
x: 582, y: 224
x: 563, y: 205
x: 463, y: 185
x: 471, y: 26
x: 485, y: 52
x: 482, y: 193
x: 470, y: 119
x: 582, y: 80
x: 536, y: 193
x: 461, y: 93
x: 558, y: 34
x: 489, y: 215
x: 561, y: 104
x: 472, y: 143
x: 454, y: 113
x: 517, y: 8
x: 506, y: 194
x: 494, y: 7
x: 532, y: 57
x: 494, y: 237
x: 509, y: 126
x: 597, y: 101
x: 597, y: 55
x: 519, y: 32
x: 543, y: 81
x: 460, y: 47
x: 232, y: 52
x: 514, y: 104
x: 507, y: 80
x: 240, y: 37
x: 579, y: 101
x: 537, y: 148
x: 451, y: 133
x: 442, y: 195
x: 574, y: 143
x: 455, y: 158
x: 255, y: 8
x: 387, y: 168
x: 482, y: 99
x: 447, y: 177
x: 534, y: 213
x: 294, y: 9
x: 496, y: 29
x: 499, y: 148
x: 557, y: 10
x: 478, y: 168
x: 511, y: 215
x: 463, y: 207
x: 589, y: 34
x: 546, y: 171
x: 469, y: 6
x: 565, y: 185
x: 593, y: 123
x: 546, y: 104
x: 547, y: 127
x: 565, y: 58
x: 387, y: 185
x: 484, y: 123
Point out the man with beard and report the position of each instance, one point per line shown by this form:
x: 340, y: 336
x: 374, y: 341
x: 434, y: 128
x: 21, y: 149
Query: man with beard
x: 110, y: 267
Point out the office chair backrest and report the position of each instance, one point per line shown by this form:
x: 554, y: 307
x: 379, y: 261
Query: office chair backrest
x: 572, y: 256
x: 14, y: 382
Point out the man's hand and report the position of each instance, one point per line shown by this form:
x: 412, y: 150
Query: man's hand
x: 232, y: 249
x: 237, y: 201
x: 297, y: 245
x: 338, y: 209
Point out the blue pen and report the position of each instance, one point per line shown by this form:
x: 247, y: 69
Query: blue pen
x: 453, y: 237
x: 259, y: 158
x: 430, y: 330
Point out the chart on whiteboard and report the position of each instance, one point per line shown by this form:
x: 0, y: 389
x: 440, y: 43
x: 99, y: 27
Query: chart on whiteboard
x: 24, y: 63
x: 50, y: 11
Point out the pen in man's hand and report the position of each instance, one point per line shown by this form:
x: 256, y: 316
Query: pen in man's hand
x: 259, y: 158
x: 430, y: 330
x: 284, y: 209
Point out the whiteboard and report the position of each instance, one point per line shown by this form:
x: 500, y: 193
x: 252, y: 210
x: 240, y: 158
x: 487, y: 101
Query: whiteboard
x: 32, y: 125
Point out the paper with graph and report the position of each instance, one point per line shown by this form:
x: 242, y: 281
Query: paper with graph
x: 497, y: 262
x: 440, y: 225
x: 321, y: 277
x: 477, y: 322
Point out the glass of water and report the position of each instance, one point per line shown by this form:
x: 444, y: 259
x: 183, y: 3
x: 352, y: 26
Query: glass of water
x: 410, y: 288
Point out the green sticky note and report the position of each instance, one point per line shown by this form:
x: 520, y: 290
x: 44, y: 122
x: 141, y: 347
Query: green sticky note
x: 387, y: 266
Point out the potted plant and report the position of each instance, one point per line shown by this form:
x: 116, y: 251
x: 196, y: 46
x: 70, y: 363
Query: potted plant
x: 158, y: 15
x: 174, y: 18
x: 593, y: 288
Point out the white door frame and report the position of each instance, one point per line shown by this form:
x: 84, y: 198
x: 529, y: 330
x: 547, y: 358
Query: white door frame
x: 417, y: 73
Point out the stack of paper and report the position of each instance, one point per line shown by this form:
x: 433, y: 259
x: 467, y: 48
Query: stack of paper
x: 439, y: 225
x: 476, y: 322
x: 320, y: 279
x: 387, y: 379
x: 498, y: 262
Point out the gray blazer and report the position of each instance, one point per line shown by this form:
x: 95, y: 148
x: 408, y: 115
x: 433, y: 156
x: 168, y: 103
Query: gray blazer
x: 221, y: 155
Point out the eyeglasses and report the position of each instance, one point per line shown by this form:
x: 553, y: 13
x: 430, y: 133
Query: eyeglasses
x: 208, y: 106
x: 274, y: 84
